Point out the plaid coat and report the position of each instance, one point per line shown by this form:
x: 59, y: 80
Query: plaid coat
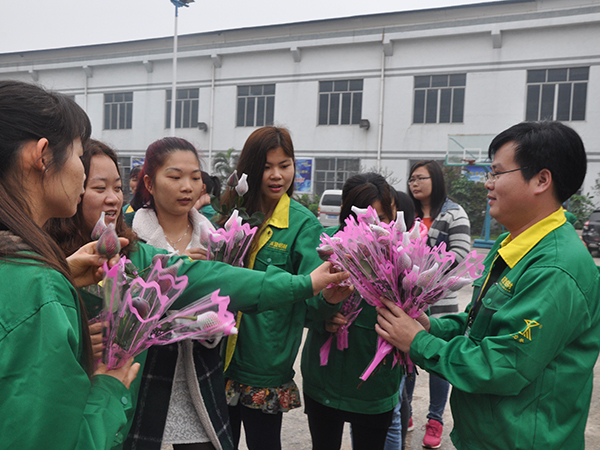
x: 155, y: 392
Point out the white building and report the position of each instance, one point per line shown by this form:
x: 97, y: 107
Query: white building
x: 384, y: 89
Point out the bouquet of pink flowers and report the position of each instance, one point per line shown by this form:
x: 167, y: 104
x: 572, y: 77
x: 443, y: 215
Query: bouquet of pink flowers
x: 384, y: 260
x: 135, y: 311
x: 229, y: 244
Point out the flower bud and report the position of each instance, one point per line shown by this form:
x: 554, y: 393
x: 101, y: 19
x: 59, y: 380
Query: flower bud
x: 325, y: 252
x: 233, y: 218
x: 232, y: 181
x: 108, y: 243
x: 141, y: 306
x: 242, y: 186
x: 99, y: 227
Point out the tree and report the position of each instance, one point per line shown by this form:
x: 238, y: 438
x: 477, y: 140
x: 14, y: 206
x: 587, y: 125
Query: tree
x: 225, y: 163
x: 582, y: 206
x: 471, y: 195
x: 385, y: 172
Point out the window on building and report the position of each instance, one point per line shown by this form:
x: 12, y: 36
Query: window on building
x: 340, y: 102
x: 186, y: 108
x: 118, y: 111
x: 557, y: 94
x: 255, y: 105
x: 332, y: 173
x: 439, y: 98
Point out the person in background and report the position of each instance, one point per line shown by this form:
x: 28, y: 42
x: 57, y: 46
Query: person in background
x: 134, y: 175
x: 259, y: 363
x: 252, y: 291
x: 52, y: 397
x: 532, y: 327
x: 447, y: 223
x: 333, y: 393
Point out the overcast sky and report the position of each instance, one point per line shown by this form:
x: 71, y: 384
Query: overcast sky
x: 42, y: 24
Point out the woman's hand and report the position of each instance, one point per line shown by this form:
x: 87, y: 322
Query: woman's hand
x: 334, y: 324
x: 86, y: 263
x: 395, y: 326
x: 337, y: 294
x: 323, y: 276
x: 96, y: 337
x: 125, y: 374
x: 196, y: 253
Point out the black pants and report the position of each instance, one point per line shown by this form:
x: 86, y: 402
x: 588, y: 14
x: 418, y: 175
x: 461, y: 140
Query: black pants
x: 327, y: 425
x: 262, y: 430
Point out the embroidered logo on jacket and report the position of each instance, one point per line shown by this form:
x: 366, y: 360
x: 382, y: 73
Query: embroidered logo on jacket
x: 506, y: 284
x: 278, y: 246
x: 526, y: 333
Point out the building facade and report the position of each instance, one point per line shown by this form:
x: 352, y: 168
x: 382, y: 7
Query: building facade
x: 376, y: 91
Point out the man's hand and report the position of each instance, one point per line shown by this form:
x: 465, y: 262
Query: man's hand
x: 86, y: 263
x: 395, y: 326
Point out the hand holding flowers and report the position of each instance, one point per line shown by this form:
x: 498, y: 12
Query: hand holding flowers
x: 386, y: 261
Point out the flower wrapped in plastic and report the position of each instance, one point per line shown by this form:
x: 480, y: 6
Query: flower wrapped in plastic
x: 135, y: 311
x: 229, y: 244
x: 386, y: 260
x: 350, y: 311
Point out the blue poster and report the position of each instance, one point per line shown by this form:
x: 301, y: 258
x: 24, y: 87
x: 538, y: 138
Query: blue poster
x: 304, y: 168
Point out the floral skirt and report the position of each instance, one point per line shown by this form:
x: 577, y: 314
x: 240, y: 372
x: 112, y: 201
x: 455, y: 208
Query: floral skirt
x: 269, y: 400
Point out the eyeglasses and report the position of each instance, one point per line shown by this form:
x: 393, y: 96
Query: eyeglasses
x: 417, y: 180
x: 493, y: 176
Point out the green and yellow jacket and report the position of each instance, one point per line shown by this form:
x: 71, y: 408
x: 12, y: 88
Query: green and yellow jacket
x: 268, y: 342
x: 522, y: 373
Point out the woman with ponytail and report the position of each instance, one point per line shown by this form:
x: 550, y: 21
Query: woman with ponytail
x: 51, y: 396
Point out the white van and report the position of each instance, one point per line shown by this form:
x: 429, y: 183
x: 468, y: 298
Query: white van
x: 329, y: 207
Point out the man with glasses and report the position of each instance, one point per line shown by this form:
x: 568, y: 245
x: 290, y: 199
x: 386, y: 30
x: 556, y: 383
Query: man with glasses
x: 521, y: 357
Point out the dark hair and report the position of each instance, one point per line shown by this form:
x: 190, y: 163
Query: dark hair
x: 212, y: 184
x: 252, y: 162
x: 72, y: 233
x: 403, y: 203
x: 156, y: 155
x: 438, y: 188
x: 30, y: 113
x: 362, y: 190
x: 134, y: 172
x: 547, y: 145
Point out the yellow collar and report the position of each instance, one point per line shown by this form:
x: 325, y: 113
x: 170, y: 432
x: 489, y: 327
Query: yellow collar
x: 281, y: 215
x: 512, y: 250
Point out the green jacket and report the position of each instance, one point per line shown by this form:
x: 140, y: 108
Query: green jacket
x: 337, y: 384
x: 268, y: 342
x: 522, y: 379
x: 249, y: 291
x: 47, y: 399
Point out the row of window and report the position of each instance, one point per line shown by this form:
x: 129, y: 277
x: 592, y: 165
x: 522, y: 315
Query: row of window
x: 555, y: 94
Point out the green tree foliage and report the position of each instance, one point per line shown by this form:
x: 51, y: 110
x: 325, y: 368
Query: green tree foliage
x: 582, y: 206
x: 224, y: 163
x: 471, y: 195
x: 309, y: 201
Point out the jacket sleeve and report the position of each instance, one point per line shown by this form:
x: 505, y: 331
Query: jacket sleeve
x: 512, y: 340
x: 250, y: 291
x: 48, y: 401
